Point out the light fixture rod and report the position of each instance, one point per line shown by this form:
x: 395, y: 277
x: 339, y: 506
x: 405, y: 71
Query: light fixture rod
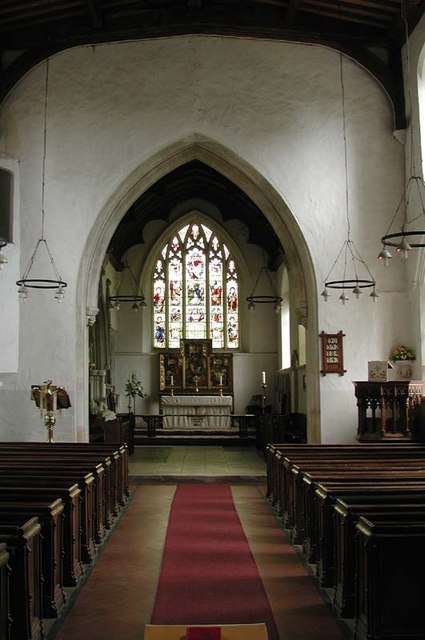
x: 26, y: 282
x: 43, y: 170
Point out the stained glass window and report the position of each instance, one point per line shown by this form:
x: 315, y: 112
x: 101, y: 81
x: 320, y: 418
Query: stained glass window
x: 195, y: 290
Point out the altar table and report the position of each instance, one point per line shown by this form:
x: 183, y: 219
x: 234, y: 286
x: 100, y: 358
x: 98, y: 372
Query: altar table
x: 196, y: 412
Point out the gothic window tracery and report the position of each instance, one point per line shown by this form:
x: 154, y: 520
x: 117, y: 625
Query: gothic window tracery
x: 195, y: 290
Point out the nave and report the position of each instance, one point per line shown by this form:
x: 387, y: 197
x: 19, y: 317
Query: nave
x: 118, y: 597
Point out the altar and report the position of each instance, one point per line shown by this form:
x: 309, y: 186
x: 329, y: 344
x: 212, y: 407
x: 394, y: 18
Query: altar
x: 196, y: 412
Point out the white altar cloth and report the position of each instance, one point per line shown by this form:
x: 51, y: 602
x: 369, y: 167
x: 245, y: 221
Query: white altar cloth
x: 196, y: 412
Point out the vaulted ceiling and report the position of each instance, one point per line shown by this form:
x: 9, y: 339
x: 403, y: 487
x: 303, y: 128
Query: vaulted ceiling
x: 194, y: 180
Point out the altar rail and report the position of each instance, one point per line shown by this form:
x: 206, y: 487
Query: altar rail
x: 155, y: 422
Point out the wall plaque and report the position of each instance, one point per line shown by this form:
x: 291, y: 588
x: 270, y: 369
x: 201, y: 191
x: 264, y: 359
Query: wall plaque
x: 332, y: 353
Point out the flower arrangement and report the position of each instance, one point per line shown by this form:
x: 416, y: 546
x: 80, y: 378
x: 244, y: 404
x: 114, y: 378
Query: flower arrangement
x: 133, y: 388
x: 402, y: 353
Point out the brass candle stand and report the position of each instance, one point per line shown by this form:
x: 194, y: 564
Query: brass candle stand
x: 196, y: 384
x: 49, y: 423
x: 172, y: 388
x: 50, y: 398
x: 263, y: 398
x: 220, y: 386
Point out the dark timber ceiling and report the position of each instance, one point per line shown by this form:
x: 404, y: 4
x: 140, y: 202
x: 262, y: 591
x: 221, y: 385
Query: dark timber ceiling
x: 194, y: 180
x: 370, y: 31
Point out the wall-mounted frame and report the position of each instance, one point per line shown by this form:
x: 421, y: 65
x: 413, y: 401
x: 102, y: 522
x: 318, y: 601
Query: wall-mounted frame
x: 332, y: 353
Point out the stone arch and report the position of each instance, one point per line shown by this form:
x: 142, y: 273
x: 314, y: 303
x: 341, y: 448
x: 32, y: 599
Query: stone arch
x: 269, y: 201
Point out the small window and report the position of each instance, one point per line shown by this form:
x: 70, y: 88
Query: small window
x: 6, y: 186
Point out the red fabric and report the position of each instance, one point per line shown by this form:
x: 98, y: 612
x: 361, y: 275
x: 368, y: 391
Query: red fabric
x: 208, y: 574
x: 203, y: 633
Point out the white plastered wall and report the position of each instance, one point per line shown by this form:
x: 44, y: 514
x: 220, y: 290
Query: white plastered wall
x: 414, y: 74
x: 268, y: 115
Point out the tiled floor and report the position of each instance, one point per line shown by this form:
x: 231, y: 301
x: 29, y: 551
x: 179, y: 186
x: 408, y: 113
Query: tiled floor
x: 117, y: 599
x: 197, y: 461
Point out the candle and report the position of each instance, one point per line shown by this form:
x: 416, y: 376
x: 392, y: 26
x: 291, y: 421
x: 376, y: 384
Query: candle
x: 264, y: 377
x: 172, y: 381
x: 221, y: 379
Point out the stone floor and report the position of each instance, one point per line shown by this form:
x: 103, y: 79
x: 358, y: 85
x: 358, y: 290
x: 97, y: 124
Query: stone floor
x: 182, y: 461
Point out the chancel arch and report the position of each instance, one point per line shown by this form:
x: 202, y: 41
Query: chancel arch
x: 266, y: 199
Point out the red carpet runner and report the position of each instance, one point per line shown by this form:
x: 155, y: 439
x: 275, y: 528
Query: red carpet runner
x: 208, y: 573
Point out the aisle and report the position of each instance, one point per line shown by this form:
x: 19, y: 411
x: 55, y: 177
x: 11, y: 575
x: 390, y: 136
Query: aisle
x: 118, y: 597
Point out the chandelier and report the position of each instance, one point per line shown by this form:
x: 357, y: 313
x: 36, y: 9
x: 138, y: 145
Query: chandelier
x: 258, y: 298
x: 404, y: 240
x: 27, y: 280
x: 128, y: 292
x: 352, y: 272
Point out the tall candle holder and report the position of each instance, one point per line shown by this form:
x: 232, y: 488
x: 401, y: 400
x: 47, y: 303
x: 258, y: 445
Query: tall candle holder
x: 263, y: 398
x: 171, y: 386
x: 196, y: 384
x: 220, y: 385
x: 50, y: 398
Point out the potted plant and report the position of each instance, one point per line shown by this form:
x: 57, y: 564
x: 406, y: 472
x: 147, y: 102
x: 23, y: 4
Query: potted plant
x: 403, y: 356
x: 133, y: 388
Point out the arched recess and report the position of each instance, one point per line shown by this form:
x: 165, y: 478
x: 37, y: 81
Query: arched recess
x: 224, y: 235
x: 268, y: 200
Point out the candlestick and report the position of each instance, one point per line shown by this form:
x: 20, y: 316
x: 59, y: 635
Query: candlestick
x: 221, y: 379
x: 263, y: 398
x: 196, y: 383
x: 264, y: 377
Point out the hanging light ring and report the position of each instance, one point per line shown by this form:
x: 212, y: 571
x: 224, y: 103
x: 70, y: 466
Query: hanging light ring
x: 394, y: 239
x: 41, y: 283
x: 128, y: 298
x: 264, y: 299
x: 349, y: 284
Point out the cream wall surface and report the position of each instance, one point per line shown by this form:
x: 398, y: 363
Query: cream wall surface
x: 276, y: 107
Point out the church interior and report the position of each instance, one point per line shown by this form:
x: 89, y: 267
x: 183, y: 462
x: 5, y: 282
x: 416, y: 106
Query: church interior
x: 212, y: 223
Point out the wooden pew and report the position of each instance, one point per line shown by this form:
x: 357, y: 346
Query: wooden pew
x: 118, y: 456
x: 290, y: 466
x: 390, y: 583
x: 72, y: 563
x: 386, y: 482
x: 276, y: 452
x: 50, y: 519
x: 44, y: 463
x: 319, y: 539
x: 69, y: 472
x: 24, y: 547
x: 323, y: 539
x: 302, y: 483
x: 347, y: 513
x: 5, y: 619
x: 42, y: 477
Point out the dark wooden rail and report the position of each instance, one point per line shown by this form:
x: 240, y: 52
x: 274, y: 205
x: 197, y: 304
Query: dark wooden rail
x: 155, y: 422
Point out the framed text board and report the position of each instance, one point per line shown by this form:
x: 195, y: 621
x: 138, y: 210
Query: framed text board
x: 332, y: 353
